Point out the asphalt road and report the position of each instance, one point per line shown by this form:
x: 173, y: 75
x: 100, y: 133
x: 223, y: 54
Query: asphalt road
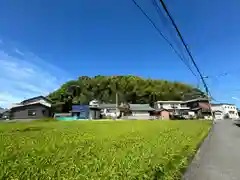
x: 219, y: 156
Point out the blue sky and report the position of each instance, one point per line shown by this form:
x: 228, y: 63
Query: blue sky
x: 45, y: 43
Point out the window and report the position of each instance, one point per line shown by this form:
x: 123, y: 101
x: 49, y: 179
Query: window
x: 174, y: 105
x: 44, y: 112
x: 31, y: 113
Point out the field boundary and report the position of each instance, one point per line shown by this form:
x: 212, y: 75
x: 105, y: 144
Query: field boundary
x: 191, y: 157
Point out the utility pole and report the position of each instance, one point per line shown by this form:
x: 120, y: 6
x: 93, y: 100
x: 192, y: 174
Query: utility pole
x: 116, y: 101
x: 116, y: 104
x: 210, y: 107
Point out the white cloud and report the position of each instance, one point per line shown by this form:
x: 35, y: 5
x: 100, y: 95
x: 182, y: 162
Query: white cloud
x: 19, y: 52
x: 26, y: 77
x: 235, y: 98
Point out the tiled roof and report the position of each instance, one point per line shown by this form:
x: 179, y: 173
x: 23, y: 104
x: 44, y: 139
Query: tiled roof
x: 140, y: 107
x: 3, y: 110
x: 36, y: 98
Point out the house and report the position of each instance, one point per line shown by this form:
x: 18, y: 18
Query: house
x: 227, y: 110
x: 174, y: 108
x: 80, y: 111
x: 200, y: 106
x: 162, y: 114
x: 109, y: 110
x: 86, y: 112
x: 141, y: 111
x: 106, y: 110
x: 188, y: 109
x: 33, y: 108
x: 4, y: 113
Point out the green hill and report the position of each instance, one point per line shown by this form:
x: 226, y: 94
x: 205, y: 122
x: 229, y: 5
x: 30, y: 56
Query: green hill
x: 129, y: 88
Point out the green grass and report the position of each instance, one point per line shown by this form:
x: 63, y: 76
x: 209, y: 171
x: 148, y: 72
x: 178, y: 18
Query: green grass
x: 98, y: 150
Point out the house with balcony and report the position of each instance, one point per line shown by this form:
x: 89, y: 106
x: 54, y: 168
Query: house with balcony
x: 200, y: 106
x: 175, y: 108
x: 191, y: 108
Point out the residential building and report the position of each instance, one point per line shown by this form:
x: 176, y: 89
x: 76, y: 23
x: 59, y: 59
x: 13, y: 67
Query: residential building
x: 33, y: 108
x: 80, y: 111
x: 188, y: 109
x: 173, y: 107
x: 141, y: 111
x: 162, y: 114
x: 200, y: 106
x: 4, y: 113
x: 227, y: 110
x: 106, y: 110
x: 109, y: 110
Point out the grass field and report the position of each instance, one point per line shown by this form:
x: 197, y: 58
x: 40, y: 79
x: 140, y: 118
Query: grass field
x: 98, y: 150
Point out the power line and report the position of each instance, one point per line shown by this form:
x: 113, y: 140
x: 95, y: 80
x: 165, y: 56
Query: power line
x: 163, y: 18
x: 188, y: 51
x: 161, y: 34
x: 224, y: 73
x: 158, y: 9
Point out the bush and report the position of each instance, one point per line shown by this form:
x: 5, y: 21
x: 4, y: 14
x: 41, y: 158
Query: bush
x: 98, y: 150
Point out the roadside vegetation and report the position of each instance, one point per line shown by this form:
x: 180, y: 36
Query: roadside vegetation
x: 98, y: 150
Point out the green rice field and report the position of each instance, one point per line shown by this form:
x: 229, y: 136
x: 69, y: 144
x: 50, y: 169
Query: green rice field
x: 94, y: 150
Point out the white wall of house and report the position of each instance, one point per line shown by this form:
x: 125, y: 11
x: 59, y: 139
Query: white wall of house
x: 110, y: 112
x: 227, y: 109
x: 170, y: 105
x: 140, y: 113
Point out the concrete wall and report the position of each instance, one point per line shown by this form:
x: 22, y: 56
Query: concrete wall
x: 24, y: 112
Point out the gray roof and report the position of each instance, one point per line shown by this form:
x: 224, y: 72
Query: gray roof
x: 140, y: 107
x: 3, y: 110
x: 197, y: 99
x: 36, y: 98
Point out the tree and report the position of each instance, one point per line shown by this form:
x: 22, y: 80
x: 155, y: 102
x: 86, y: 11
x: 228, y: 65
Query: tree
x: 131, y: 89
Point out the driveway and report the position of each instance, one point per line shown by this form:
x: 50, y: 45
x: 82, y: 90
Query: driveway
x: 219, y: 156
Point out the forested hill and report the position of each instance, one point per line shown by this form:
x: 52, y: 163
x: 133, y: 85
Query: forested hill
x: 129, y: 88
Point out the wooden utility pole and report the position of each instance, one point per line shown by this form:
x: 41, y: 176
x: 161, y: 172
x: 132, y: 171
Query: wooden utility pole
x: 116, y: 101
x: 210, y: 106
